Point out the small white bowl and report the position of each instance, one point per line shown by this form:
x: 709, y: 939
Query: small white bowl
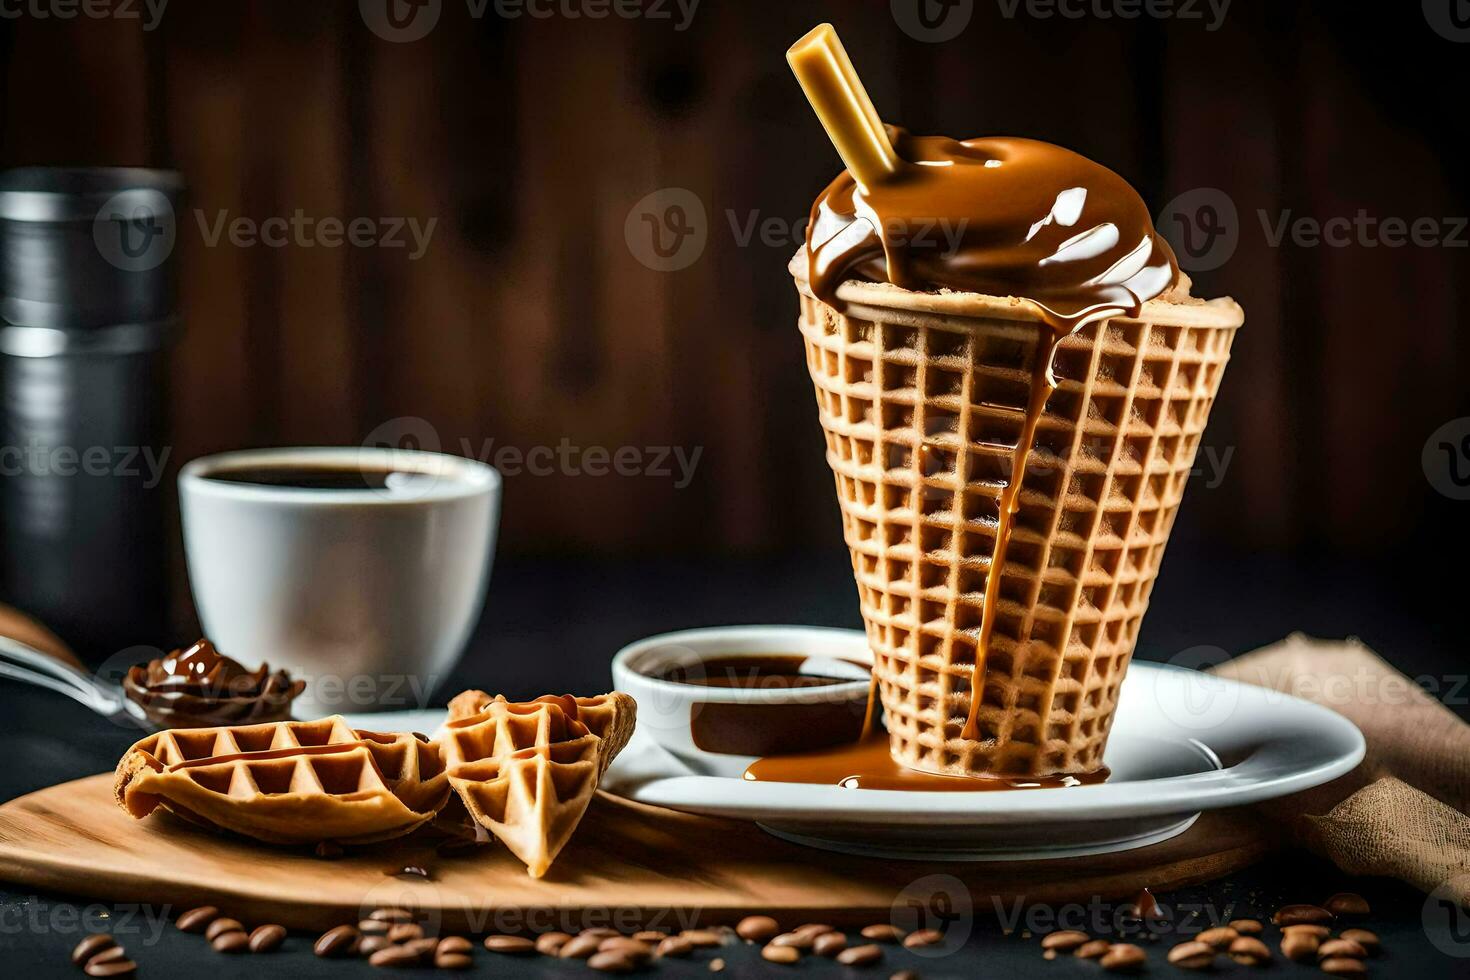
x: 708, y: 727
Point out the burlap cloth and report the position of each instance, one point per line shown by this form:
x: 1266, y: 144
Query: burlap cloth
x: 1402, y: 812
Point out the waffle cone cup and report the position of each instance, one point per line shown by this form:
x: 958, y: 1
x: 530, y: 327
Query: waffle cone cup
x: 922, y: 397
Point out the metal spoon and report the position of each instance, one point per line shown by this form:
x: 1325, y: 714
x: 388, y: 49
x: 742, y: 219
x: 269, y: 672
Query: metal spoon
x: 23, y: 662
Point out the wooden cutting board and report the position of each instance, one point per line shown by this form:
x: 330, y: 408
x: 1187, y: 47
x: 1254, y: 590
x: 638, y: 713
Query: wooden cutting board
x: 655, y: 867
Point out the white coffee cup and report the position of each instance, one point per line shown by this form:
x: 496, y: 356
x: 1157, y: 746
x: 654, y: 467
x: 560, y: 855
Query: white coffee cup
x: 368, y: 594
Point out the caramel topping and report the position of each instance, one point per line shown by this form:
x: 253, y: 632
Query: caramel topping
x: 199, y: 687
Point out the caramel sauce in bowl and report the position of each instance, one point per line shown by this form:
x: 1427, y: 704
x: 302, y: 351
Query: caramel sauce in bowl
x: 719, y: 699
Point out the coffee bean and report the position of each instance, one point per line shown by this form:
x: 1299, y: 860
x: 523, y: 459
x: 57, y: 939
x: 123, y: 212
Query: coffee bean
x: 1124, y: 958
x: 923, y: 937
x: 905, y: 975
x: 1247, y: 927
x: 394, y: 956
x: 579, y: 947
x: 703, y: 937
x: 1364, y: 938
x: 369, y: 945
x: 650, y: 936
x: 757, y: 928
x: 675, y: 946
x: 109, y: 955
x: 111, y: 968
x: 374, y: 927
x: 1067, y: 939
x: 230, y: 942
x: 795, y: 940
x: 195, y: 920
x: 550, y: 943
x: 780, y: 954
x: 1250, y: 951
x: 1193, y: 955
x: 1320, y: 932
x: 611, y: 963
x: 513, y: 945
x: 1343, y: 966
x: 716, y: 965
x: 453, y: 961
x: 1296, y: 915
x: 405, y: 932
x: 829, y: 944
x: 422, y: 948
x: 1299, y: 946
x: 881, y: 933
x: 339, y: 941
x: 454, y: 944
x: 267, y: 938
x: 814, y: 929
x: 219, y: 927
x: 1349, y: 904
x: 1218, y: 937
x: 1341, y: 947
x: 391, y: 915
x: 860, y: 955
x: 1090, y: 950
x: 631, y: 948
x: 601, y: 932
x: 91, y: 946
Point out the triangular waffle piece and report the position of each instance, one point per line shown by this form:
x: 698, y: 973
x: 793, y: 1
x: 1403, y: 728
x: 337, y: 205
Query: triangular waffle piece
x: 611, y: 717
x: 287, y: 782
x: 525, y: 772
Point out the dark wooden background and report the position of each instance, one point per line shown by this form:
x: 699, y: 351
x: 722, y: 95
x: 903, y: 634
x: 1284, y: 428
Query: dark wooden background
x: 530, y: 321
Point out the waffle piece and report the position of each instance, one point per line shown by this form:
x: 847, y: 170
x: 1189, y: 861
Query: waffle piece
x: 921, y: 397
x: 611, y: 717
x: 525, y: 772
x: 287, y: 782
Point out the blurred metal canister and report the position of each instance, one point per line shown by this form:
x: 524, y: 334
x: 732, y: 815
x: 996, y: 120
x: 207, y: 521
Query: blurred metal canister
x: 87, y: 312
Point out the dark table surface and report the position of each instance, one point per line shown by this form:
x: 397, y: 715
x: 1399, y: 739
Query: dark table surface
x: 553, y: 626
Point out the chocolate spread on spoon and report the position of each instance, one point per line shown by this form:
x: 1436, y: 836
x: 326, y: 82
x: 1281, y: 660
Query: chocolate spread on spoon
x: 199, y: 687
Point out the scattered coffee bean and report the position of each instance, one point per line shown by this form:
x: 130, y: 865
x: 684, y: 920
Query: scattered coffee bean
x: 340, y: 941
x: 219, y: 927
x: 374, y: 927
x: 601, y: 932
x: 1050, y: 954
x: 716, y: 965
x: 814, y: 928
x: 422, y: 948
x: 795, y: 940
x: 454, y: 944
x: 1349, y: 904
x: 405, y: 932
x: 1090, y: 950
x: 860, y: 955
x: 703, y: 937
x: 829, y: 944
x: 90, y: 946
x: 230, y: 942
x: 1343, y: 966
x: 1299, y: 946
x: 391, y: 915
x: 1247, y: 927
x: 675, y: 946
x: 631, y: 948
x: 923, y: 937
x: 757, y: 928
x: 613, y: 962
x: 453, y: 961
x: 267, y: 938
x: 1341, y: 947
x: 196, y: 920
x: 1193, y: 955
x: 109, y: 955
x: 772, y: 953
x: 369, y: 945
x: 1250, y: 951
x: 881, y: 933
x: 1124, y: 958
x: 550, y: 943
x: 1320, y: 932
x: 1065, y: 940
x: 519, y: 945
x: 650, y: 936
x: 905, y: 975
x: 1364, y: 938
x: 1296, y: 915
x: 111, y: 968
x: 578, y: 947
x: 1218, y: 937
x: 394, y: 956
x: 329, y: 850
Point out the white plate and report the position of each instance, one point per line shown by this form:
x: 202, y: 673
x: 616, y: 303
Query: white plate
x: 1182, y: 742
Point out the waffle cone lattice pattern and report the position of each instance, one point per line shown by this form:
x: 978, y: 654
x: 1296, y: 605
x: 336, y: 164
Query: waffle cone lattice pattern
x: 921, y: 417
